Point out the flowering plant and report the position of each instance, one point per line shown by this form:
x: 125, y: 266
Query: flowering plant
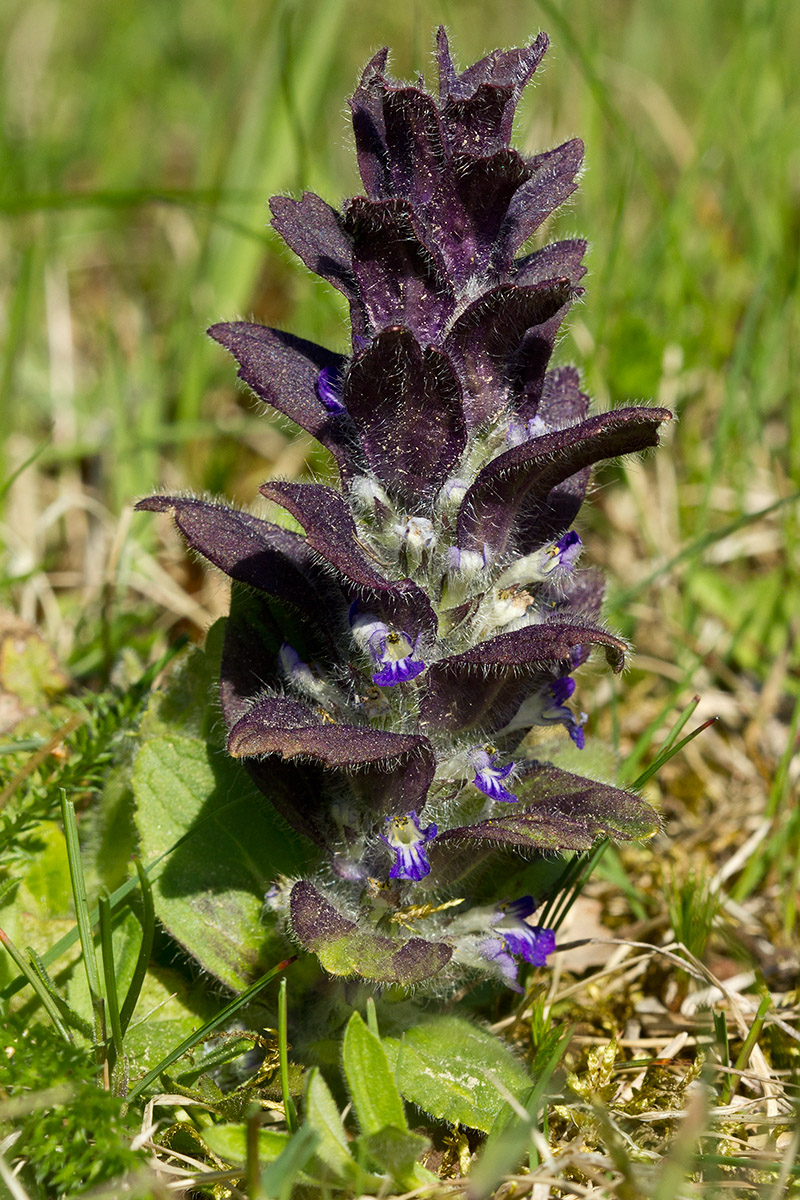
x: 386, y: 669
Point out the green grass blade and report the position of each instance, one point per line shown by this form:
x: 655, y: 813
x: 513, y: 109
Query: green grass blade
x: 590, y: 862
x: 117, y: 896
x: 83, y: 920
x: 8, y: 483
x: 644, y: 741
x: 109, y: 978
x: 279, y: 1178
x: 667, y: 754
x: 221, y: 1018
x: 283, y: 1053
x: 564, y: 883
x: 145, y: 949
x: 38, y: 985
x: 753, y: 1034
x: 510, y: 1136
x: 72, y: 1018
x: 372, y: 1017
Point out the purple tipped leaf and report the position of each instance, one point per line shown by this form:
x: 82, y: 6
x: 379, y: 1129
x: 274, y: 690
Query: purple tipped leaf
x: 315, y: 232
x: 366, y: 106
x: 403, y: 763
x: 623, y: 814
x: 527, y: 473
x: 415, y: 147
x: 545, y: 830
x: 283, y: 371
x: 345, y: 948
x: 561, y: 401
x: 402, y: 280
x: 570, y: 813
x: 532, y: 358
x: 418, y: 959
x: 448, y: 75
x: 276, y: 725
x: 253, y: 638
x: 467, y: 230
x: 406, y: 404
x: 472, y: 126
x: 314, y: 920
x: 577, y: 597
x: 485, y: 340
x: 331, y: 532
x: 478, y: 105
x: 258, y: 553
x: 297, y: 792
x: 552, y: 182
x: 544, y: 521
x: 484, y: 685
x: 559, y: 260
x: 505, y: 68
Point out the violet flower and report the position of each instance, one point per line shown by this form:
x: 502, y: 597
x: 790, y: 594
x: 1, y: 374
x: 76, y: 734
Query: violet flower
x: 514, y: 938
x: 406, y: 838
x: 329, y: 389
x: 488, y: 777
x: 434, y: 601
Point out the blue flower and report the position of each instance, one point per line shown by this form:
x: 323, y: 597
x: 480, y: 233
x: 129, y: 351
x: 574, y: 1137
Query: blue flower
x: 391, y: 649
x: 567, y: 550
x: 406, y: 839
x: 489, y: 778
x: 515, y: 937
x: 329, y: 390
x: 557, y: 712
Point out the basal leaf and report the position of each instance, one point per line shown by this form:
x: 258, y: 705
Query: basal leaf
x: 446, y: 1066
x: 229, y: 1141
x: 322, y: 1114
x: 376, y: 1100
x: 209, y: 893
x: 396, y: 1151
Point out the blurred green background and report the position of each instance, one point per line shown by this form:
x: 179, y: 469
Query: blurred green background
x: 140, y: 143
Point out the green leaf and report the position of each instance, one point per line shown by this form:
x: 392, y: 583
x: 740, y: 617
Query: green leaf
x: 285, y: 1155
x: 322, y: 1115
x: 376, y: 1099
x: 229, y: 1141
x: 198, y: 1035
x: 209, y: 892
x: 446, y: 1066
x: 169, y: 1010
x: 281, y: 1175
x: 29, y: 672
x: 395, y: 1151
x: 186, y: 705
x: 38, y: 911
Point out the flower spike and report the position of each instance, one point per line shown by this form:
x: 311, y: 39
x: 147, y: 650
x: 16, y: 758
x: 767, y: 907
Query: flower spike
x: 389, y: 665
